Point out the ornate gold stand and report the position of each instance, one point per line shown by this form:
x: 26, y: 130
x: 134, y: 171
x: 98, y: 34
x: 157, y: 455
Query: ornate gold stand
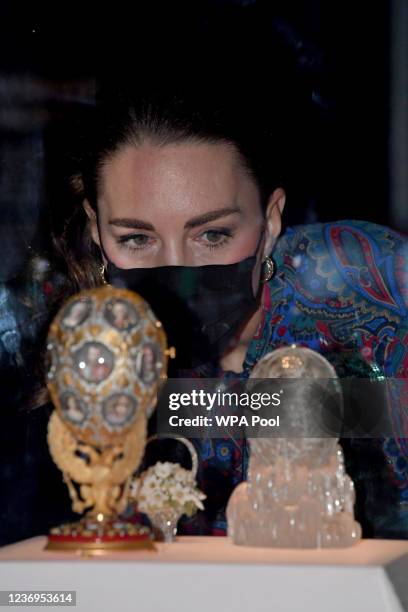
x: 98, y: 481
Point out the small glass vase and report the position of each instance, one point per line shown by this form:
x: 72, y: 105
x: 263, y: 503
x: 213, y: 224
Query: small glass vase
x: 164, y: 524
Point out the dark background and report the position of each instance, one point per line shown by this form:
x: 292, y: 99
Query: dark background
x: 49, y: 54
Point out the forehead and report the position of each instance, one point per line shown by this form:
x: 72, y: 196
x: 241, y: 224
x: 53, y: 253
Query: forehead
x: 182, y: 177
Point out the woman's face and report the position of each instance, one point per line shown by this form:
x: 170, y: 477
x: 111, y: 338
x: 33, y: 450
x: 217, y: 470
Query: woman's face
x: 188, y: 204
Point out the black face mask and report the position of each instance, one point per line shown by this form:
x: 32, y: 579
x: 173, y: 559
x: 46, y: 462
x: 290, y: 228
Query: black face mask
x: 202, y: 308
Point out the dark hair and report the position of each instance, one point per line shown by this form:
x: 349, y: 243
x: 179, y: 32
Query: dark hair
x: 161, y: 116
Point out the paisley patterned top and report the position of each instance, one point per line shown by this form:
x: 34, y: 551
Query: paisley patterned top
x: 340, y: 289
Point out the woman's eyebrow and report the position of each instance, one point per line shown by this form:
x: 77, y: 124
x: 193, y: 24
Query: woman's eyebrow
x: 207, y: 217
x: 131, y: 223
x: 211, y: 216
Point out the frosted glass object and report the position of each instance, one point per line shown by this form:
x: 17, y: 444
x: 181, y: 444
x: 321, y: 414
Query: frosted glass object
x: 298, y: 494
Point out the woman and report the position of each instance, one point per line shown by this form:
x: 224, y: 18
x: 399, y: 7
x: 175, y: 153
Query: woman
x: 180, y: 203
x: 177, y: 202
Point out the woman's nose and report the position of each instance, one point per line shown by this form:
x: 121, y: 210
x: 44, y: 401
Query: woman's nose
x: 172, y: 255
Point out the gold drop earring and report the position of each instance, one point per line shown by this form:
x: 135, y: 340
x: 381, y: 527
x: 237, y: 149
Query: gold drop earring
x: 102, y: 274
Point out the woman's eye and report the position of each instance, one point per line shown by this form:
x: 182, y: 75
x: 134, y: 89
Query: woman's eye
x: 135, y: 241
x: 215, y: 238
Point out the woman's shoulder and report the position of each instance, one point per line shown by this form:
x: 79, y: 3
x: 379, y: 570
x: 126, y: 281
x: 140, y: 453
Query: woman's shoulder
x: 343, y: 285
x: 353, y: 259
x: 345, y: 234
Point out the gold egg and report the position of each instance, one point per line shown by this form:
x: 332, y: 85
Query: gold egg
x: 111, y: 355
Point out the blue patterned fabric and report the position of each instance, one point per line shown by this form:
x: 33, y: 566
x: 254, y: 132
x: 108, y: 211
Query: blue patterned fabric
x: 340, y: 289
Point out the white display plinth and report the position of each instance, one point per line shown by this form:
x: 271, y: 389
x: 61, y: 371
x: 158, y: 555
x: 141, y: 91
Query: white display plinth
x: 210, y: 574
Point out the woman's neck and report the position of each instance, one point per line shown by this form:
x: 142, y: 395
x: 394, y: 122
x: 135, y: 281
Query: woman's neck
x: 234, y: 360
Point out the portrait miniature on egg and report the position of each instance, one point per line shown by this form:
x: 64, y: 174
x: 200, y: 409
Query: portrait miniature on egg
x: 121, y: 315
x: 146, y: 361
x: 76, y: 313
